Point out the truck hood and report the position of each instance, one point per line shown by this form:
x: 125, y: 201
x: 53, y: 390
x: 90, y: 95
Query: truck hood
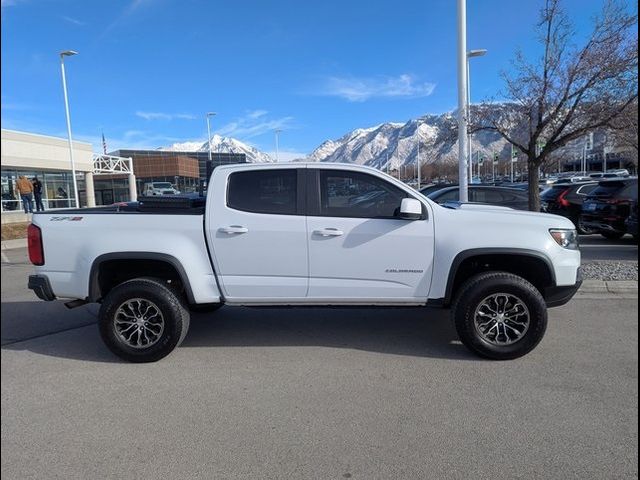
x: 492, y: 215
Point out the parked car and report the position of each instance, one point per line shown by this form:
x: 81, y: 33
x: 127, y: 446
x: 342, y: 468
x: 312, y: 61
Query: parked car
x: 600, y: 175
x: 435, y: 186
x: 269, y: 234
x: 502, y: 196
x: 566, y: 200
x: 608, y: 206
x: 159, y: 188
x: 632, y: 220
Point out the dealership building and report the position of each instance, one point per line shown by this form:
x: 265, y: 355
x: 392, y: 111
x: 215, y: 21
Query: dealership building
x: 46, y: 158
x: 101, y: 179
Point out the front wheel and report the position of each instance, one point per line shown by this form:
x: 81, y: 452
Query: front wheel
x: 499, y: 315
x: 143, y: 320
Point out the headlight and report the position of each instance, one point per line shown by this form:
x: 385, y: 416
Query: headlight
x: 565, y: 238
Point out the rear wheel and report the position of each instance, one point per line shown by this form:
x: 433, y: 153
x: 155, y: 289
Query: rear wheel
x: 143, y: 320
x: 499, y: 315
x: 612, y: 235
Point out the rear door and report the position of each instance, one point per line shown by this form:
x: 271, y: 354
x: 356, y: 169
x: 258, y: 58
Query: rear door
x: 359, y: 250
x: 256, y: 226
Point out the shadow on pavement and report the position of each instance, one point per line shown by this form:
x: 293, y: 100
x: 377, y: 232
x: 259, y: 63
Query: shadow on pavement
x: 417, y: 332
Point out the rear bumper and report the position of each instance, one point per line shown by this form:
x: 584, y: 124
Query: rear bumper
x: 558, y: 296
x: 41, y: 287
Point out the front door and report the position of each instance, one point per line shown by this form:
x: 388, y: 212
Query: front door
x: 359, y: 250
x: 258, y: 233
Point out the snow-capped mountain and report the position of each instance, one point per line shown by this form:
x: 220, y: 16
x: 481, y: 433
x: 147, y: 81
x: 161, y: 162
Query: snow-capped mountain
x: 222, y: 145
x: 391, y: 145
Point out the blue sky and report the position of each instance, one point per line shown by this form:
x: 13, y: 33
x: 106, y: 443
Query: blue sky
x: 148, y: 70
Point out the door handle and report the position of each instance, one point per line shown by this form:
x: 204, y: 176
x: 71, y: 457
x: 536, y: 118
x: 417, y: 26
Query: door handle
x: 329, y: 232
x: 233, y: 229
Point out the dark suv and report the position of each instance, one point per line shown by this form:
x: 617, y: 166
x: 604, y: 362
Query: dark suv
x: 566, y: 199
x: 607, y: 207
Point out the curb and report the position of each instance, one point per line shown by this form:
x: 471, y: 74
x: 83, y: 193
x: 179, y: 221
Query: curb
x: 11, y: 244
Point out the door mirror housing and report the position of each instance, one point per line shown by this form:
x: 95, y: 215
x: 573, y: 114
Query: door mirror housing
x: 410, y: 209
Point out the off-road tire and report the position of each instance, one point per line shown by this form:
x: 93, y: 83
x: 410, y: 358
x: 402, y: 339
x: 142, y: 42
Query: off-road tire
x: 174, y: 313
x: 472, y: 293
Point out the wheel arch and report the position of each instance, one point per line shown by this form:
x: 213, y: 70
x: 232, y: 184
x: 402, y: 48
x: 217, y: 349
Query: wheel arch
x: 102, y: 277
x: 531, y: 265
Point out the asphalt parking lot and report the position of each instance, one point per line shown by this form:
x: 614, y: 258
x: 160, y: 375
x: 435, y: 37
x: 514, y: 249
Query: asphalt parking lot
x: 317, y: 393
x: 596, y: 247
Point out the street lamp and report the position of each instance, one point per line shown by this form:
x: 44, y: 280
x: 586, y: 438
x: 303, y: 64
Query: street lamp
x: 69, y: 53
x: 209, y: 169
x: 277, y: 132
x: 471, y: 54
x: 462, y: 101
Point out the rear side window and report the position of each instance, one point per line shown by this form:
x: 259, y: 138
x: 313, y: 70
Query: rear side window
x: 607, y: 189
x: 586, y: 189
x: 553, y: 192
x: 264, y: 191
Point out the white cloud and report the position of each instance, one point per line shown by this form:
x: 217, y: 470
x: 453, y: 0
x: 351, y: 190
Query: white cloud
x: 358, y: 89
x: 165, y: 116
x: 75, y: 21
x: 253, y: 124
x: 257, y: 113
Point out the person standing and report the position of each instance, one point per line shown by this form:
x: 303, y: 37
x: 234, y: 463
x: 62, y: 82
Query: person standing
x: 25, y: 189
x: 37, y: 193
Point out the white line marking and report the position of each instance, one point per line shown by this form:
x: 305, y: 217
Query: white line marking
x: 5, y: 259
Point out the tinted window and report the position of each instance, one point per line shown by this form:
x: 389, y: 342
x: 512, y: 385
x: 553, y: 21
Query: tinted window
x: 448, y: 196
x: 553, y: 192
x: 264, y: 191
x: 353, y: 194
x: 631, y: 191
x: 485, y: 195
x: 607, y: 189
x: 586, y: 189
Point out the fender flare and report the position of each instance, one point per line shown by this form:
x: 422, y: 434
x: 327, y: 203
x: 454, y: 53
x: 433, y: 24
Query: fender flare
x: 476, y: 252
x: 94, y: 286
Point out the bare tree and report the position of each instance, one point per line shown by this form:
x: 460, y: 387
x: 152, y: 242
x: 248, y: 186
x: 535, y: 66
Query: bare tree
x: 570, y: 90
x: 624, y: 128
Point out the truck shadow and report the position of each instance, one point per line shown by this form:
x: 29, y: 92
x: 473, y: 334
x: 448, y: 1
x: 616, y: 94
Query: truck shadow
x: 419, y: 332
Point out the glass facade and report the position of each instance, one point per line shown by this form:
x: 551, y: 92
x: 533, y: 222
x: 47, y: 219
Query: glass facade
x: 57, y: 188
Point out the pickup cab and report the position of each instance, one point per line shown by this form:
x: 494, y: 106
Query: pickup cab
x: 305, y: 235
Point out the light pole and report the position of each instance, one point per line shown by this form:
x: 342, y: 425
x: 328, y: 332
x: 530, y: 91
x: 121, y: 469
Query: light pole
x: 462, y: 103
x: 471, y: 54
x: 277, y: 132
x: 69, y: 53
x: 209, y: 169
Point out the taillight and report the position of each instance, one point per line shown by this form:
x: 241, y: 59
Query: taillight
x: 563, y: 201
x: 34, y: 242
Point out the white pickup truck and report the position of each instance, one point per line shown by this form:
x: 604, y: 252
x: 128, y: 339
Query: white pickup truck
x: 305, y: 234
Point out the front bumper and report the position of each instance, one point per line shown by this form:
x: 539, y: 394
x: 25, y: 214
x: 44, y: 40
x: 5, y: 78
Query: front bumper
x: 41, y: 287
x: 558, y: 296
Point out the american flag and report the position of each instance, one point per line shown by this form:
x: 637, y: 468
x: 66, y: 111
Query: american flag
x: 104, y: 144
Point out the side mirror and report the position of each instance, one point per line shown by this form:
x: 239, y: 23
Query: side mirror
x: 410, y: 209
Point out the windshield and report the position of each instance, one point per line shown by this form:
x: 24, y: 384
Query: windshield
x: 162, y: 185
